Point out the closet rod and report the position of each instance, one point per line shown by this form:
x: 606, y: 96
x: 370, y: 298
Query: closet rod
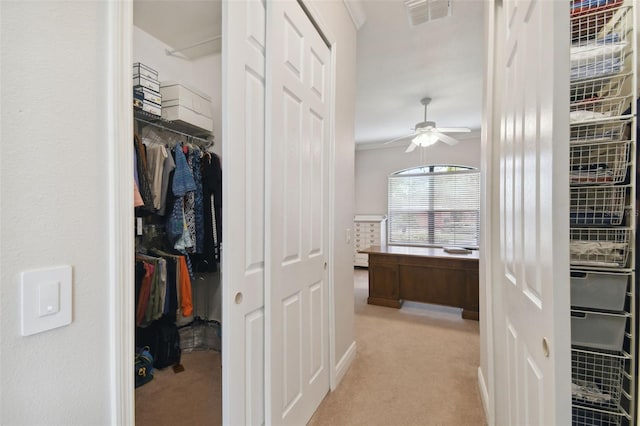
x: 205, y: 41
x: 207, y: 142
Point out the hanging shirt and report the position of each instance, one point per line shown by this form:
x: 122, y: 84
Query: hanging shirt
x: 182, y: 183
x: 156, y: 155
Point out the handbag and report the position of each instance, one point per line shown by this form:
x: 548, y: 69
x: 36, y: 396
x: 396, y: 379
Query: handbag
x: 143, y: 366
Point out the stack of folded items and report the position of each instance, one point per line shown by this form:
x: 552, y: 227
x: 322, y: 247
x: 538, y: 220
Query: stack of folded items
x: 146, y: 89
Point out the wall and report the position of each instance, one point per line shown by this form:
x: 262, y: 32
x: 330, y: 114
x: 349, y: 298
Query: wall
x: 335, y: 20
x: 373, y: 166
x: 54, y: 191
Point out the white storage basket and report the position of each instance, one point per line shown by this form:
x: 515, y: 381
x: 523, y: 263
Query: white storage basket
x: 599, y: 247
x: 606, y: 131
x: 598, y: 330
x: 597, y: 205
x: 599, y: 163
x: 598, y: 290
x: 596, y: 378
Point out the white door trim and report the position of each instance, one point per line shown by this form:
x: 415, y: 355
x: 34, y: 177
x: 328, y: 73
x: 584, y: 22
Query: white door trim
x: 119, y: 125
x: 489, y: 225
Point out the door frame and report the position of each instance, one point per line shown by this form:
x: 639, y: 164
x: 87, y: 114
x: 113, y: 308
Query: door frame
x: 119, y: 122
x: 490, y: 189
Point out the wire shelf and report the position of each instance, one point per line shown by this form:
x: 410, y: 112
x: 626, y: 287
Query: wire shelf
x: 597, y: 109
x: 599, y: 163
x: 596, y: 89
x: 597, y: 206
x: 593, y: 19
x: 607, y: 131
x: 582, y: 416
x: 599, y: 247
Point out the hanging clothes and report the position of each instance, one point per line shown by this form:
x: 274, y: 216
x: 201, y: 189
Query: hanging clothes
x: 182, y: 183
x: 211, y: 173
x: 142, y: 174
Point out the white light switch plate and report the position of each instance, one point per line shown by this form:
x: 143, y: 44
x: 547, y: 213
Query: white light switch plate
x: 46, y: 299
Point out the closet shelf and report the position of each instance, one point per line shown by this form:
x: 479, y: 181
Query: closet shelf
x: 181, y: 128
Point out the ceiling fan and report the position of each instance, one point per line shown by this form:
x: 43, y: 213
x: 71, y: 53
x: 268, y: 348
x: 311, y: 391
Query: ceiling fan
x: 426, y: 133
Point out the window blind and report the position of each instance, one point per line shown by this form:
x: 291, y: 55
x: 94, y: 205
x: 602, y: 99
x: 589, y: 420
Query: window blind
x: 435, y: 209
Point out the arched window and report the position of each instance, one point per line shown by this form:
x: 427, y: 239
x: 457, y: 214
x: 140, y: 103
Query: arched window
x: 435, y: 205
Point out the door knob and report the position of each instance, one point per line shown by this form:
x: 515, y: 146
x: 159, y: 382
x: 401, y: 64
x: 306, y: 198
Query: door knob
x: 545, y: 347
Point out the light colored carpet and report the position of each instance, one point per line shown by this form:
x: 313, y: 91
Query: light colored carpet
x: 414, y: 366
x: 192, y: 397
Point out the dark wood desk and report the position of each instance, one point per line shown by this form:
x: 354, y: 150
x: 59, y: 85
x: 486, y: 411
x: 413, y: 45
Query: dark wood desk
x: 420, y: 274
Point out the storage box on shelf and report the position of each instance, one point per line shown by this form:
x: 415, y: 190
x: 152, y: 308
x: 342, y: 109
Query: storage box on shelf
x: 602, y: 211
x: 146, y: 95
x: 186, y: 105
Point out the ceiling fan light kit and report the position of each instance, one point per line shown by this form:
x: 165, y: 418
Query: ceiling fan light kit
x: 426, y: 133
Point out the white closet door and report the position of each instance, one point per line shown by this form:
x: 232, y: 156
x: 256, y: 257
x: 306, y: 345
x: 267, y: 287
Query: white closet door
x: 298, y: 359
x: 243, y: 264
x: 531, y: 327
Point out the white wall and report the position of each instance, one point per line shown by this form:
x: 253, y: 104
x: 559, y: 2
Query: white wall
x: 53, y: 172
x: 204, y: 74
x: 336, y: 19
x: 373, y: 166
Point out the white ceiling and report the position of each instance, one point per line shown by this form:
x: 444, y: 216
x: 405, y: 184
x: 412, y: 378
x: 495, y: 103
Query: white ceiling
x: 181, y: 23
x: 397, y: 65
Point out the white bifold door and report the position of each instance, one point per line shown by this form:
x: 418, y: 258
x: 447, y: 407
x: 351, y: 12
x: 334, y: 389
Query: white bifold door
x: 276, y: 80
x: 531, y: 246
x: 298, y: 128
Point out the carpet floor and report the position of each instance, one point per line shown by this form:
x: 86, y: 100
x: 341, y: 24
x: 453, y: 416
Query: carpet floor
x: 414, y: 366
x: 191, y: 397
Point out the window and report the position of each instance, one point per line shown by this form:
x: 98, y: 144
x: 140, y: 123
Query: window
x: 436, y: 205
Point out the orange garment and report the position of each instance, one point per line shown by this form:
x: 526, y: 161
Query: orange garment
x: 137, y: 198
x: 186, y: 305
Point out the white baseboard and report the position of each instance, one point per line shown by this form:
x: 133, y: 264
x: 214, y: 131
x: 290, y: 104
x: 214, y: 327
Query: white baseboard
x: 345, y: 362
x: 484, y: 395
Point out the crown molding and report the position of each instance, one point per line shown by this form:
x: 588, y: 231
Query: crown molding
x: 356, y: 11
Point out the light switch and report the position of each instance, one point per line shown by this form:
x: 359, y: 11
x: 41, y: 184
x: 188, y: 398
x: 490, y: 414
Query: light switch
x: 49, y: 298
x: 46, y: 299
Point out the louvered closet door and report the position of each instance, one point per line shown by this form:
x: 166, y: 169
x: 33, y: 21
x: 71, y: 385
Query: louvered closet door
x: 531, y: 295
x: 298, y: 365
x: 243, y: 263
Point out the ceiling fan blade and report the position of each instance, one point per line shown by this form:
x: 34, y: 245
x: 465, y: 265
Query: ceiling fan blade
x: 400, y: 138
x: 411, y: 147
x: 446, y: 139
x: 452, y: 129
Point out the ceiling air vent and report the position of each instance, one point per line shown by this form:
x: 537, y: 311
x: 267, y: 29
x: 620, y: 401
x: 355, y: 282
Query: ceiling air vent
x: 422, y: 11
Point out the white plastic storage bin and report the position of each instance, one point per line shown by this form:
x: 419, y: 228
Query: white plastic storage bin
x: 186, y: 104
x: 597, y: 330
x: 596, y: 290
